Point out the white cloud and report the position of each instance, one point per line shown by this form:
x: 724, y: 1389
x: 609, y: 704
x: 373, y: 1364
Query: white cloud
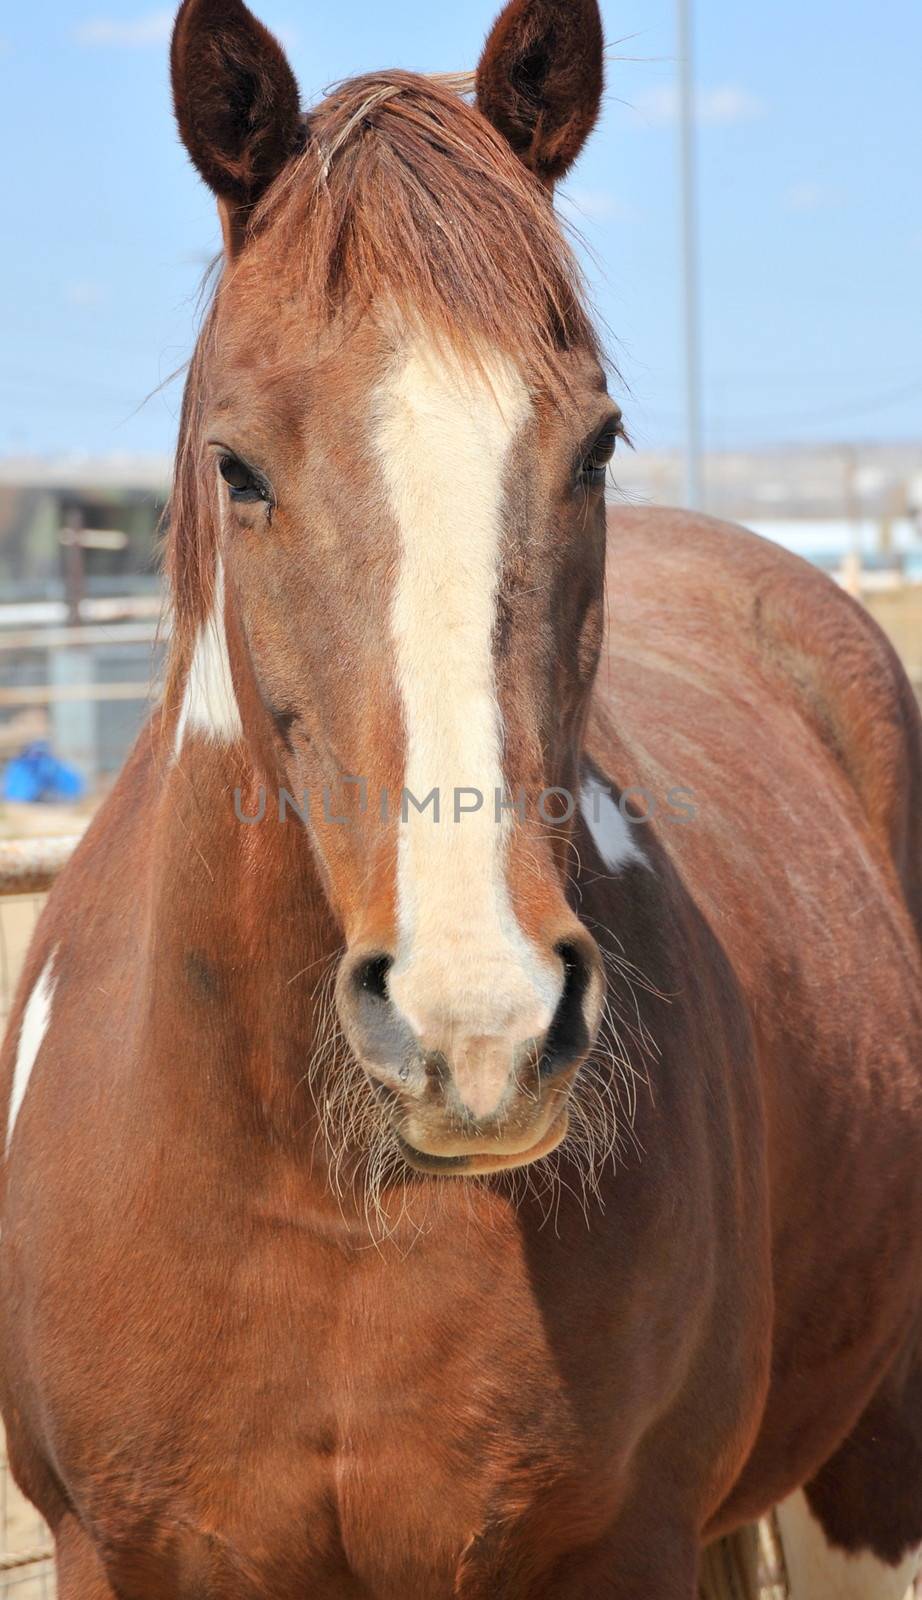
x: 594, y: 205
x: 126, y: 33
x: 727, y: 105
x: 719, y: 107
x: 805, y: 197
x: 134, y: 33
x: 84, y: 293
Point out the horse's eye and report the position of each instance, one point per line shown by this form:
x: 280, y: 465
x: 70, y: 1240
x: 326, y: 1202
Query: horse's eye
x: 594, y: 463
x: 241, y: 481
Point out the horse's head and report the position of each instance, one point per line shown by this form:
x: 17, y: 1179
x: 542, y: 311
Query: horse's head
x: 388, y: 542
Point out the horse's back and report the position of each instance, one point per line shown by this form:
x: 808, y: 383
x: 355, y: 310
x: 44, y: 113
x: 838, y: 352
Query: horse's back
x: 723, y: 611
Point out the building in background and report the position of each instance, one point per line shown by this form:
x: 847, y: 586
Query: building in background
x: 80, y: 602
x: 829, y: 503
x: 40, y: 499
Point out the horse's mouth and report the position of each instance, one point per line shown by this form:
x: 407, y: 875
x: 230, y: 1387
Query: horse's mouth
x: 482, y: 1159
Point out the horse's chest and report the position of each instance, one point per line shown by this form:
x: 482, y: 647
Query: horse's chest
x: 410, y: 1497
x: 371, y: 1436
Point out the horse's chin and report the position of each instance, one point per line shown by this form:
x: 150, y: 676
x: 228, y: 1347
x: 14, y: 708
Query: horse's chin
x: 482, y: 1159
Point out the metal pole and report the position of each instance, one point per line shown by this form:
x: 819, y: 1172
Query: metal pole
x: 73, y: 718
x: 694, y: 486
x: 74, y: 567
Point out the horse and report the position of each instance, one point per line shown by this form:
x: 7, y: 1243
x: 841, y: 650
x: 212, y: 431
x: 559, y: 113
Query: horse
x: 463, y: 1132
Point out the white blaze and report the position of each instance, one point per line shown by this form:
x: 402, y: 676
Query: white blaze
x: 818, y: 1571
x: 445, y: 435
x: 35, y: 1020
x: 209, y: 704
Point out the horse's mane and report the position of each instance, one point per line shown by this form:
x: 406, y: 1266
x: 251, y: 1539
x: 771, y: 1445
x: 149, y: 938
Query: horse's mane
x: 404, y: 196
x: 405, y: 193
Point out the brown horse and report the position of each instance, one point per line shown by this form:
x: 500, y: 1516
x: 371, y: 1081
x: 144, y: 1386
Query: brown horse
x: 464, y: 1125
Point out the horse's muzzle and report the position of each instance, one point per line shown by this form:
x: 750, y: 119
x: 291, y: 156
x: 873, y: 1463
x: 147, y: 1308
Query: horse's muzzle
x: 463, y: 1098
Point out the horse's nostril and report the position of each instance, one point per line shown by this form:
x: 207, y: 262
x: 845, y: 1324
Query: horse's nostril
x: 378, y: 1034
x: 568, y: 1036
x: 370, y: 977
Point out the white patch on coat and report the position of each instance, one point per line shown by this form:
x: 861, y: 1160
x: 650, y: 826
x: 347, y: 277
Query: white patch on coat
x: 209, y: 705
x: 818, y: 1570
x: 446, y: 430
x: 612, y: 834
x: 32, y: 1031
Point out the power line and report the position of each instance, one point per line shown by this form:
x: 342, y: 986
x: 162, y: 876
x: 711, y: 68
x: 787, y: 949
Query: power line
x: 864, y: 408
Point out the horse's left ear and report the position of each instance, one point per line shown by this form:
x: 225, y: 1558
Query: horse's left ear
x: 540, y: 80
x: 236, y: 100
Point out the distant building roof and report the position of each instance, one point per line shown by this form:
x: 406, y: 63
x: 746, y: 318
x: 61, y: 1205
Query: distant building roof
x: 120, y: 472
x: 800, y: 482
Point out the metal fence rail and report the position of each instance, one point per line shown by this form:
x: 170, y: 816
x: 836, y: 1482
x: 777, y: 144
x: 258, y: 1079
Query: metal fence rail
x: 30, y: 866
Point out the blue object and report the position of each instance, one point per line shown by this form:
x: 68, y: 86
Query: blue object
x: 36, y: 777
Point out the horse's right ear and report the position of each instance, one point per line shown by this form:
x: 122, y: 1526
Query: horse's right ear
x: 236, y: 101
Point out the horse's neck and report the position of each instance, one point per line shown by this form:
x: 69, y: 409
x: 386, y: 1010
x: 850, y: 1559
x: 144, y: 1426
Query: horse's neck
x: 242, y: 940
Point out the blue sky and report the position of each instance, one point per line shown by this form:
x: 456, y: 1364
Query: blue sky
x: 810, y: 137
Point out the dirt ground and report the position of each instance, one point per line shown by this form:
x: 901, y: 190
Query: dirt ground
x: 21, y: 1532
x: 899, y: 612
x: 18, y: 917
